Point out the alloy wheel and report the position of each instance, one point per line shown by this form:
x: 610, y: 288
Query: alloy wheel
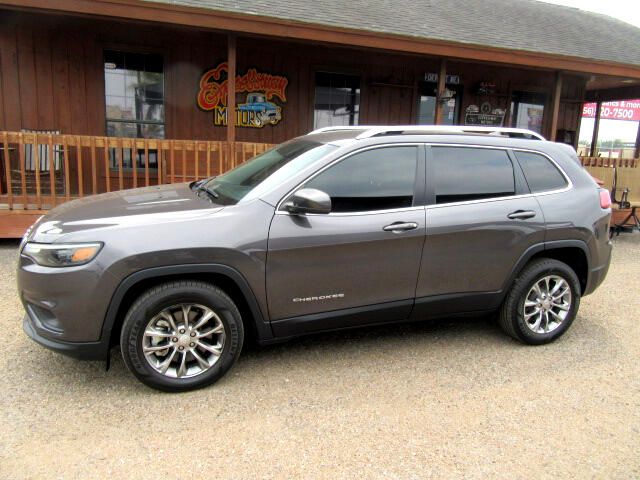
x: 547, y: 304
x: 183, y: 340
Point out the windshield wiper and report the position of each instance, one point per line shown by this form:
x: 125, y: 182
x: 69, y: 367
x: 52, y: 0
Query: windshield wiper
x: 212, y: 194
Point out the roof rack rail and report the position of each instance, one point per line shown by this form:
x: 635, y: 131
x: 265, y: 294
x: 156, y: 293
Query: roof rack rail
x: 339, y: 128
x: 369, y: 131
x: 462, y: 129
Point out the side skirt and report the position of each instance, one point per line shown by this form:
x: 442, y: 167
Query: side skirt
x: 345, y: 318
x: 425, y: 308
x: 455, y: 304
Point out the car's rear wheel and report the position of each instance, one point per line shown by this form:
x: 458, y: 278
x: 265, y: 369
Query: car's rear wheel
x: 542, y: 303
x: 181, y: 335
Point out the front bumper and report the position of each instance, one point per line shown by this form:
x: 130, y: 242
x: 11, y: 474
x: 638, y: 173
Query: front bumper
x: 80, y: 350
x: 69, y: 303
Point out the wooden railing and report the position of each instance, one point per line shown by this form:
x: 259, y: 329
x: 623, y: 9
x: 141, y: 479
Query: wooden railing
x: 609, y: 162
x: 40, y: 171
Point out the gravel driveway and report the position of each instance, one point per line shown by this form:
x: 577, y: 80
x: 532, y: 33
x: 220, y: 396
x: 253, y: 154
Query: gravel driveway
x: 431, y: 400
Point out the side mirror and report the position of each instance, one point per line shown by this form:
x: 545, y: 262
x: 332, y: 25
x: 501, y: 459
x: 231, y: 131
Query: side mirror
x: 308, y: 200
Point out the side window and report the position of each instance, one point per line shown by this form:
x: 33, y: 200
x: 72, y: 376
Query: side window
x: 379, y: 179
x: 541, y: 174
x: 467, y: 173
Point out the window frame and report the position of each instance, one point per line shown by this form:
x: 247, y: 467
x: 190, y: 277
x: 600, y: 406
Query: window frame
x: 521, y: 186
x: 419, y: 192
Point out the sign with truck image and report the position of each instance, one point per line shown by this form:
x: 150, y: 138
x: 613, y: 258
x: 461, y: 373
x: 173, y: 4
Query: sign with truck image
x: 259, y: 108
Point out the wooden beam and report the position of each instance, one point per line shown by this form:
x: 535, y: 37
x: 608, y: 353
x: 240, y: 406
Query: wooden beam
x: 612, y: 94
x: 254, y: 24
x: 555, y: 106
x: 596, y: 127
x: 442, y: 85
x: 231, y: 99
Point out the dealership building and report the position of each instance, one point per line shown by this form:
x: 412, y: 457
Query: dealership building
x: 101, y: 95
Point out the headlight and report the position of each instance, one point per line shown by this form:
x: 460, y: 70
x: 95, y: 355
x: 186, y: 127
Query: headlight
x: 61, y: 254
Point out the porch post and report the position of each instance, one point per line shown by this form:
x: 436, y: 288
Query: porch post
x: 636, y: 153
x: 507, y: 111
x: 555, y: 110
x: 231, y: 98
x: 596, y: 127
x: 442, y: 82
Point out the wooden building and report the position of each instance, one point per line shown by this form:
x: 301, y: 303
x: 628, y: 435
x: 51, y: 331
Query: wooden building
x: 101, y: 95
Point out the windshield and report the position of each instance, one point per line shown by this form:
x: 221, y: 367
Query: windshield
x: 267, y: 170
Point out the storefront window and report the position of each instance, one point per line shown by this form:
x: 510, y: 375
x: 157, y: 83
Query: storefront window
x: 527, y: 110
x: 427, y: 104
x: 134, y: 99
x: 337, y: 100
x: 617, y: 132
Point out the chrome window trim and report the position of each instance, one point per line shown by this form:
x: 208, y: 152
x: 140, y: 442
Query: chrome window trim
x: 496, y: 199
x: 428, y: 207
x: 337, y: 160
x: 354, y: 214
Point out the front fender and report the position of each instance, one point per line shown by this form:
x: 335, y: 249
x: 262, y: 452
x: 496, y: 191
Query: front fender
x: 263, y: 329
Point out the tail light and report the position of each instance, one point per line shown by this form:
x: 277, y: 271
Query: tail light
x: 605, y: 199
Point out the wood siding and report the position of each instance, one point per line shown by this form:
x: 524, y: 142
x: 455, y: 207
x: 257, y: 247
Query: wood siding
x: 52, y: 77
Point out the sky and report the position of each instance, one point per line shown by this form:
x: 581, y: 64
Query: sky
x: 625, y: 10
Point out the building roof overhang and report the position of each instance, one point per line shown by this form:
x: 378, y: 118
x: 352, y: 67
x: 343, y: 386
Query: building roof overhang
x: 195, y: 16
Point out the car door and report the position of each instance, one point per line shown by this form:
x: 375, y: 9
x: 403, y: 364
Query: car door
x: 360, y: 262
x: 480, y: 222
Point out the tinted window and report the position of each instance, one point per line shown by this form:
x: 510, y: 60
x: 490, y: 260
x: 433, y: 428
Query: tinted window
x: 462, y: 174
x: 542, y: 175
x: 378, y: 179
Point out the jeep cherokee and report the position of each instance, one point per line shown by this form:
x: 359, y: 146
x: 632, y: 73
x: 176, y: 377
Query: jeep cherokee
x: 339, y: 228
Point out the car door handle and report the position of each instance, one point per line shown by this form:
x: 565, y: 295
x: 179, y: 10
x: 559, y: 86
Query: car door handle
x: 521, y: 214
x: 397, y: 227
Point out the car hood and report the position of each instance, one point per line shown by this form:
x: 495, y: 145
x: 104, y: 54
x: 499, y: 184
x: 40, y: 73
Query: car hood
x: 162, y: 203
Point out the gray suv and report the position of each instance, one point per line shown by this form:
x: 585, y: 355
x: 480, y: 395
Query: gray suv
x: 336, y: 229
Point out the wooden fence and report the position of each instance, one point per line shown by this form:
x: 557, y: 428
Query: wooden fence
x: 39, y: 171
x: 609, y: 162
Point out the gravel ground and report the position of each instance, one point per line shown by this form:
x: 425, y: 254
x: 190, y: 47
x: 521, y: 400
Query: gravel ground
x: 431, y: 400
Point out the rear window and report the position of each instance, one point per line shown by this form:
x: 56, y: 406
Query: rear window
x: 466, y: 173
x: 541, y: 174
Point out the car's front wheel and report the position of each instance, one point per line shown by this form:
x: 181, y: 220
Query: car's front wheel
x: 542, y: 303
x: 181, y: 335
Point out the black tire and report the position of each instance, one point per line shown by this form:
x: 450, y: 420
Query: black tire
x: 151, y: 303
x: 511, y: 315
